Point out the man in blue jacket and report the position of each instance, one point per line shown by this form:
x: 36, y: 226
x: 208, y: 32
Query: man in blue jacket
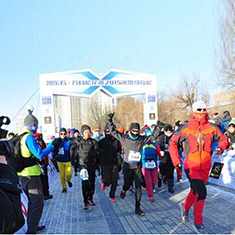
x: 63, y: 160
x: 30, y: 176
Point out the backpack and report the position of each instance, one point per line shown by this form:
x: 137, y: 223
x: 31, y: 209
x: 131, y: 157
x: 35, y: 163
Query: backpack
x: 17, y: 161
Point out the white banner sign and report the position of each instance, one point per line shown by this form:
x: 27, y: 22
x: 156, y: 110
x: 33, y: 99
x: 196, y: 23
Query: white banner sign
x: 223, y: 169
x: 51, y: 170
x: 24, y: 206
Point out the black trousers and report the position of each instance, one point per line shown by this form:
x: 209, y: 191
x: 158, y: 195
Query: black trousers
x: 88, y: 186
x: 110, y: 177
x: 44, y: 181
x: 130, y: 176
x: 74, y: 161
x: 33, y: 189
x: 167, y: 170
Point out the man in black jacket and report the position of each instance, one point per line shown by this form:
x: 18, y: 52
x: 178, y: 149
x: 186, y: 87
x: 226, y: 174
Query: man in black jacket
x: 132, y: 144
x: 87, y: 151
x: 110, y: 152
x: 11, y: 217
x: 166, y: 166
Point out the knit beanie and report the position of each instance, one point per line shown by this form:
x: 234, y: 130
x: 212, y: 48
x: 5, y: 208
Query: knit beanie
x: 148, y: 132
x: 85, y: 127
x: 72, y: 130
x: 121, y: 129
x: 30, y: 120
x: 168, y: 127
x: 63, y: 130
x: 134, y: 125
x: 96, y: 128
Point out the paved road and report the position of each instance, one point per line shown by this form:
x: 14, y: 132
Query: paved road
x: 65, y: 214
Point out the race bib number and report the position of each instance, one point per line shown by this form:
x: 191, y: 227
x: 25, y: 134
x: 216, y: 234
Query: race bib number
x: 61, y: 151
x: 150, y: 165
x: 134, y: 156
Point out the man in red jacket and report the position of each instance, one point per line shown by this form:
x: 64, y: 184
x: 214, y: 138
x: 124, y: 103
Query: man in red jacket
x: 197, y: 136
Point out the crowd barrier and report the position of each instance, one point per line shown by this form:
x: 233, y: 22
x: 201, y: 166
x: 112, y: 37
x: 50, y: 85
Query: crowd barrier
x: 223, y: 169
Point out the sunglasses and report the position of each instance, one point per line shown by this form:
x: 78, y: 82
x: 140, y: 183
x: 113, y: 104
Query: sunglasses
x: 200, y: 110
x: 62, y: 133
x: 135, y: 131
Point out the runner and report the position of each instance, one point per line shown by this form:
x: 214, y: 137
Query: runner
x: 133, y: 144
x: 198, y: 135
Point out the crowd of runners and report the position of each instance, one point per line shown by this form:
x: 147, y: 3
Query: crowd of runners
x: 146, y: 157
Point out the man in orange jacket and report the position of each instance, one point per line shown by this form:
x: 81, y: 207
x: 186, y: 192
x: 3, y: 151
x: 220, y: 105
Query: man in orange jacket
x: 198, y: 135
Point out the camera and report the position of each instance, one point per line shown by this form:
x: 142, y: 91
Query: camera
x: 4, y: 120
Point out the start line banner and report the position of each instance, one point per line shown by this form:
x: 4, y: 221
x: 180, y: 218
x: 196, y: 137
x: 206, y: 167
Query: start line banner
x: 223, y: 169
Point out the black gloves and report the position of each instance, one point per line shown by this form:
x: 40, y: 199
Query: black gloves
x: 56, y: 143
x: 219, y: 151
x: 110, y: 117
x: 178, y: 167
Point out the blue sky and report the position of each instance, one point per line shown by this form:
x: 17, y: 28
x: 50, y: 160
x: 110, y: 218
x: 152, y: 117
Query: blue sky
x: 166, y: 38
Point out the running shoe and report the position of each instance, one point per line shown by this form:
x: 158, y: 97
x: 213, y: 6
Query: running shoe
x: 86, y: 206
x: 91, y: 202
x: 151, y: 199
x: 103, y: 187
x: 64, y: 191
x: 48, y: 197
x: 171, y: 190
x: 184, y: 214
x: 199, y: 229
x: 112, y: 199
x: 139, y: 212
x: 70, y: 184
x: 123, y: 194
x: 40, y: 228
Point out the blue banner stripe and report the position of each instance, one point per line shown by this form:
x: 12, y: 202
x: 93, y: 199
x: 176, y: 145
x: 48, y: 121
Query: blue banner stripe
x: 90, y: 90
x: 111, y: 74
x: 111, y: 90
x: 87, y: 74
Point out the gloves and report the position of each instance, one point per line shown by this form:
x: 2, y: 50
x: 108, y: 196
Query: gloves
x: 110, y: 117
x: 233, y: 146
x: 178, y: 167
x: 56, y: 143
x: 219, y: 151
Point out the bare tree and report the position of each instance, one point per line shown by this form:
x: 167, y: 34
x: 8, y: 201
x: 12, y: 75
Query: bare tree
x: 129, y: 110
x: 186, y: 91
x: 170, y: 110
x: 190, y: 90
x: 177, y: 104
x: 227, y: 46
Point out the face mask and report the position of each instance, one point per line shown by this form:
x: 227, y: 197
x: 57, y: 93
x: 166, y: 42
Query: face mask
x: 168, y: 133
x: 134, y: 135
x: 76, y: 135
x: 34, y: 129
x: 199, y: 115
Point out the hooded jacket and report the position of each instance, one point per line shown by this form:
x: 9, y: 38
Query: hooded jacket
x: 131, y: 145
x: 110, y: 149
x: 198, y: 137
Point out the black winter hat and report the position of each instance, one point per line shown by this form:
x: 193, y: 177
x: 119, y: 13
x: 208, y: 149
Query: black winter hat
x: 168, y: 127
x: 85, y: 127
x: 62, y: 129
x: 135, y: 125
